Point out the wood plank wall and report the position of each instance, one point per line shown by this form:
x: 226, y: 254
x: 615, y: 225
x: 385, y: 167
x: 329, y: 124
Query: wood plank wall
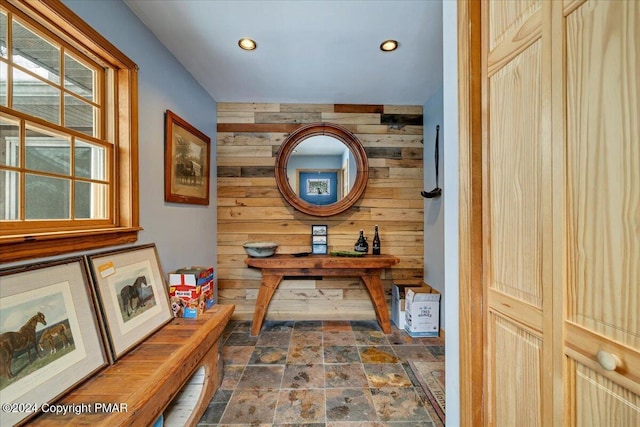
x: 250, y: 206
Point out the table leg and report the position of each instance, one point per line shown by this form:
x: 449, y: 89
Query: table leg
x: 268, y: 287
x: 376, y: 291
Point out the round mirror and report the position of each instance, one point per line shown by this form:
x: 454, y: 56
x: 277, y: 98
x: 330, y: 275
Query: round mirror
x: 321, y: 169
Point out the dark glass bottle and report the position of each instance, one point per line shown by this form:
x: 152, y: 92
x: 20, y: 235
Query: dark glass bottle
x: 376, y: 243
x: 361, y: 245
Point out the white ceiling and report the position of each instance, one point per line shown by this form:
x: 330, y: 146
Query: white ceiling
x: 309, y: 51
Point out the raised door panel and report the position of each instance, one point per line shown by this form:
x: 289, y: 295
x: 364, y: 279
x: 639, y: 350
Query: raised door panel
x: 603, y: 142
x: 603, y: 209
x: 507, y: 19
x: 600, y: 401
x: 516, y: 360
x: 515, y: 181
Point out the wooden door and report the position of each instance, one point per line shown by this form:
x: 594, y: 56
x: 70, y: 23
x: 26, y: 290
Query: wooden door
x: 561, y: 212
x: 602, y: 218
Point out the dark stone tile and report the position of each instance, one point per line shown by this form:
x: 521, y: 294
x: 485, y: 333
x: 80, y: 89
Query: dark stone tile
x: 302, y: 355
x: 370, y: 338
x: 350, y: 404
x: 300, y: 406
x: 306, y: 338
x: 252, y: 407
x: 401, y: 337
x: 242, y: 326
x: 213, y: 413
x: 341, y: 354
x: 303, y: 376
x: 415, y: 352
x: 231, y: 376
x: 274, y: 339
x: 222, y: 396
x: 275, y: 325
x: 332, y: 338
x: 365, y: 325
x: 236, y: 354
x: 241, y: 338
x: 399, y: 404
x: 347, y: 375
x: 437, y: 351
x: 261, y: 377
x: 268, y: 356
x: 308, y: 325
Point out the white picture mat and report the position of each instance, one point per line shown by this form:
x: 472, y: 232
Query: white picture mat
x: 111, y: 271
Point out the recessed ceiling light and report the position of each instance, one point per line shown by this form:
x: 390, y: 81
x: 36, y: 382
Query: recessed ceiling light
x: 388, y: 45
x: 247, y: 44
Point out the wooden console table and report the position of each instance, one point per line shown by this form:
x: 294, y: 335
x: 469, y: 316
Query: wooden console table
x: 368, y: 268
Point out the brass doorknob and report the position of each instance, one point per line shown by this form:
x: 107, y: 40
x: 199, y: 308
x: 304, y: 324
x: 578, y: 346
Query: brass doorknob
x: 608, y: 361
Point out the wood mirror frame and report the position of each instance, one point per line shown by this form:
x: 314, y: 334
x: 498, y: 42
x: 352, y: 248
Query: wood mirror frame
x: 355, y: 147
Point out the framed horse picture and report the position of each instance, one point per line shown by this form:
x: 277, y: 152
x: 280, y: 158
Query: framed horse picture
x: 51, y: 337
x: 132, y: 293
x: 186, y: 162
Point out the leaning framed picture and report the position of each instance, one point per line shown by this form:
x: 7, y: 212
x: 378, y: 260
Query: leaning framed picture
x: 51, y: 338
x: 186, y: 162
x: 132, y: 293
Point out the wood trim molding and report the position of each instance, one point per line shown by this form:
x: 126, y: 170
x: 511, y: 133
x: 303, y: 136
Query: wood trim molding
x: 31, y: 247
x: 76, y: 29
x: 470, y: 221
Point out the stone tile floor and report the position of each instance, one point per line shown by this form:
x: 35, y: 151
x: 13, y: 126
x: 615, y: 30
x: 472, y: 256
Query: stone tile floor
x: 321, y: 373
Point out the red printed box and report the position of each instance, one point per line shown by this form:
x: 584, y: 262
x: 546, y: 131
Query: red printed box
x: 198, y: 278
x: 192, y: 276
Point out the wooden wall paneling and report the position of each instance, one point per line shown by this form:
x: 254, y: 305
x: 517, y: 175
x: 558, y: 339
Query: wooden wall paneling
x: 251, y: 208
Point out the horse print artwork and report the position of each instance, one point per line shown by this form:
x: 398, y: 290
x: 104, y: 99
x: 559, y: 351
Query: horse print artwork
x: 12, y: 343
x: 189, y: 172
x: 129, y: 293
x: 52, y: 334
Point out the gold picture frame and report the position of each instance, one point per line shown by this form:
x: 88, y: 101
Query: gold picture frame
x: 187, y: 162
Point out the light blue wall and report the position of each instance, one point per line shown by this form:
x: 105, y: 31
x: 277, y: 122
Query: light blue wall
x: 184, y: 234
x: 450, y: 201
x: 433, y: 208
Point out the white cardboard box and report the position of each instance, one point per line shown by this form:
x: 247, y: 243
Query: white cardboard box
x: 422, y: 312
x: 398, y: 291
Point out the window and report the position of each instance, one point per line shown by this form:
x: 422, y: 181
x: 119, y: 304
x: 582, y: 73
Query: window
x: 68, y: 135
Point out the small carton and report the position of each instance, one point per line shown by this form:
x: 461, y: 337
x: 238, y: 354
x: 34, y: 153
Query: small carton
x: 195, y: 276
x: 187, y: 301
x: 209, y: 290
x: 398, y: 291
x: 422, y: 312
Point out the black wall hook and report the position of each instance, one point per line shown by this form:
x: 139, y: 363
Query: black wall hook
x: 436, y: 192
